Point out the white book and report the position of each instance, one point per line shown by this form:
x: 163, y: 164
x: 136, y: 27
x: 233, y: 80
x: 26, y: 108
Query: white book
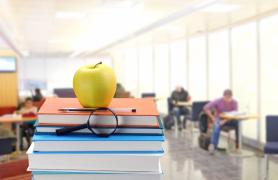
x: 94, y: 161
x: 53, y: 119
x: 153, y: 131
x: 97, y: 176
x: 85, y: 175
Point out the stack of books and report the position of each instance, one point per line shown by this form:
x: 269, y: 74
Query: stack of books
x: 133, y: 152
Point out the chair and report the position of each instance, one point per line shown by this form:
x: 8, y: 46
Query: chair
x: 197, y: 109
x: 7, y: 110
x: 6, y: 145
x: 148, y: 95
x: 271, y: 146
x: 64, y: 92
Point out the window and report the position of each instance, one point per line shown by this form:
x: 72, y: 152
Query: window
x: 219, y: 74
x: 145, y: 70
x: 161, y: 64
x: 197, y: 68
x: 178, y: 64
x: 269, y: 67
x: 244, y: 70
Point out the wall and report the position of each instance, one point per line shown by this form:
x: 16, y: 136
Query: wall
x: 50, y: 73
x: 8, y: 84
x: 242, y: 57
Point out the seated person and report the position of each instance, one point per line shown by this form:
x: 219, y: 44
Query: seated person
x: 121, y: 92
x: 38, y: 95
x: 219, y: 106
x: 179, y: 95
x: 27, y: 110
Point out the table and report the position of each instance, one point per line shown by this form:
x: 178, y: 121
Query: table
x: 18, y: 120
x: 240, y: 118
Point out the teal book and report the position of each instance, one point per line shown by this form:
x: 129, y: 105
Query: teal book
x: 90, y: 142
x: 99, y: 175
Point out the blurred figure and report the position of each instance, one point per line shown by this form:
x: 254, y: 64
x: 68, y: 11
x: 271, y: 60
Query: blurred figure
x: 219, y: 106
x: 28, y: 109
x: 38, y: 95
x: 121, y: 92
x: 180, y: 95
x: 27, y: 129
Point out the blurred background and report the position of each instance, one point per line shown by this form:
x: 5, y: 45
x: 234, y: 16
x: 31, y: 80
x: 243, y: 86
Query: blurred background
x: 205, y: 46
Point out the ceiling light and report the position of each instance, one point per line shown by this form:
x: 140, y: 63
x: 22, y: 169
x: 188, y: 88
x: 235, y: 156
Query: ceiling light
x: 70, y: 15
x: 221, y: 8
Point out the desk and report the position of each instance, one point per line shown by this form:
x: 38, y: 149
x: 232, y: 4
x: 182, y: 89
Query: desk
x: 239, y: 118
x: 18, y: 120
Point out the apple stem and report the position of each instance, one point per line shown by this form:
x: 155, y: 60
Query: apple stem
x: 97, y: 64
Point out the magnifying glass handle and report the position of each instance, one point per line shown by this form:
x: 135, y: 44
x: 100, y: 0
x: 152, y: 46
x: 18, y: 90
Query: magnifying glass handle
x: 67, y: 130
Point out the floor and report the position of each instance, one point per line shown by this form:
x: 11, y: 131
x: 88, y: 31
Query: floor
x: 184, y: 160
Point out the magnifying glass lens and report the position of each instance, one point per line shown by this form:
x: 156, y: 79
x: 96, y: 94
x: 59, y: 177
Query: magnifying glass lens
x: 102, y: 124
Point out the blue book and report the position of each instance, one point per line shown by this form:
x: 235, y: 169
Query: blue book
x: 90, y: 142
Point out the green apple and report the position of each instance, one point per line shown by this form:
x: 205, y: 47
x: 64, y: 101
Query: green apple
x: 94, y: 85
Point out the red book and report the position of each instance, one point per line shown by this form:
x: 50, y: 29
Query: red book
x: 146, y: 114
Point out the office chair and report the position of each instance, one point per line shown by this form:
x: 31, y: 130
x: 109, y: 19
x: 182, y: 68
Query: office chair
x: 64, y: 92
x: 147, y: 95
x: 6, y: 145
x: 271, y: 146
x: 197, y: 109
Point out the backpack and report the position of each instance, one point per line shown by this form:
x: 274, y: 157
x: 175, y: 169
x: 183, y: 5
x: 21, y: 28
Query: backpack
x: 203, y: 122
x: 168, y: 122
x: 204, y: 141
x: 204, y: 137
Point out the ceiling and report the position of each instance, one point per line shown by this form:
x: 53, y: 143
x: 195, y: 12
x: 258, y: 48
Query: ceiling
x: 81, y: 27
x: 202, y: 21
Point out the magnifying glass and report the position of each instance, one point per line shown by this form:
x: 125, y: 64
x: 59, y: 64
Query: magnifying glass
x: 103, y: 125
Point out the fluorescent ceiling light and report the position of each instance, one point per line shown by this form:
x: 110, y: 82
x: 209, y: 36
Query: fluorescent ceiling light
x: 69, y: 15
x: 221, y: 8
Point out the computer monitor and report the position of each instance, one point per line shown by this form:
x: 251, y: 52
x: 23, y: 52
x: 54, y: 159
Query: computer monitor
x: 7, y: 64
